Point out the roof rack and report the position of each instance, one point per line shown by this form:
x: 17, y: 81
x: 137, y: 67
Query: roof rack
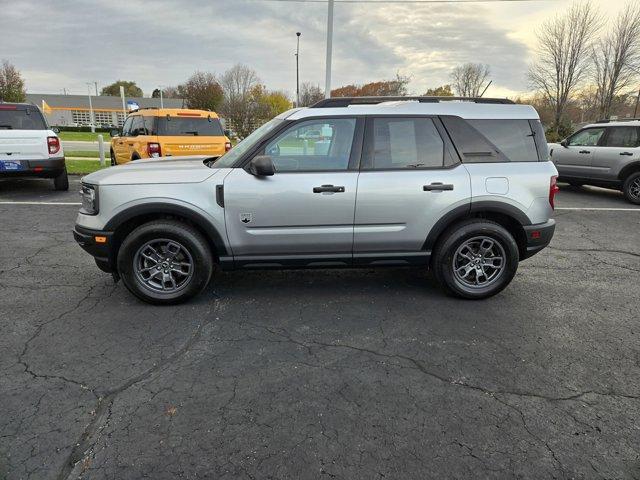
x: 336, y: 102
x: 626, y: 119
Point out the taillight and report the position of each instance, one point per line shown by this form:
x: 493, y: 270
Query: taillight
x: 227, y: 146
x: 153, y: 150
x: 54, y: 145
x: 553, y: 189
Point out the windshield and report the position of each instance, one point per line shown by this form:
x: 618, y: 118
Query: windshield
x: 229, y: 158
x: 21, y: 120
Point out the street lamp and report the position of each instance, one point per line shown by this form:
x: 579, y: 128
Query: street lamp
x: 298, y: 70
x: 91, y: 117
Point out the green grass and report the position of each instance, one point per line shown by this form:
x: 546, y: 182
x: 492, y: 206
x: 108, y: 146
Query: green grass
x: 83, y: 167
x: 83, y: 154
x: 83, y: 136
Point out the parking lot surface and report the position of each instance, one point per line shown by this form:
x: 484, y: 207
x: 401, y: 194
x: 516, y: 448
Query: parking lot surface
x: 306, y: 374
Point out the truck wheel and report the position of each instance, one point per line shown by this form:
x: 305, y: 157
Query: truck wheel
x: 165, y: 262
x: 61, y: 182
x: 631, y: 188
x: 113, y: 158
x: 475, y: 259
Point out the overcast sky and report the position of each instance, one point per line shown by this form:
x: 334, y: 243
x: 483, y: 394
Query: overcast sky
x: 64, y: 44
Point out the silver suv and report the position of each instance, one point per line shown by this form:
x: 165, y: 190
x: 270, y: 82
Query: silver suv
x: 604, y: 154
x: 461, y: 186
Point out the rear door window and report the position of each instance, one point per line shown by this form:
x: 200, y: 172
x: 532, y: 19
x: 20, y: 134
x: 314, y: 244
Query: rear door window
x: 189, y: 126
x: 403, y: 143
x: 514, y: 138
x: 625, y: 137
x: 21, y: 118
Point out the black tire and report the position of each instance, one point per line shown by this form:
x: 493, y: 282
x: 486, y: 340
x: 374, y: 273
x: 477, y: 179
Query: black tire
x: 135, y: 157
x: 631, y: 188
x: 471, y: 231
x: 113, y: 158
x: 61, y: 182
x: 195, y: 250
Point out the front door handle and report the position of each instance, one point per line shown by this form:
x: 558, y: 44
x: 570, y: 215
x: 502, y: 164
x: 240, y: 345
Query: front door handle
x: 437, y: 187
x: 627, y: 153
x: 585, y: 151
x: 328, y: 188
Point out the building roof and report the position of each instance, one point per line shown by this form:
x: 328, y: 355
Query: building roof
x: 463, y: 109
x: 71, y: 102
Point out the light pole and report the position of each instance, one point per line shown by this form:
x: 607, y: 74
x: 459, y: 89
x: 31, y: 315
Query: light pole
x: 327, y: 79
x: 91, y: 118
x: 298, y: 70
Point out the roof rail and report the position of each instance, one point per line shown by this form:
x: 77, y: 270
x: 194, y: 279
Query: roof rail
x: 626, y: 119
x: 336, y: 102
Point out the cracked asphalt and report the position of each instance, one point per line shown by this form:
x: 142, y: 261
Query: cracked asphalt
x: 306, y: 374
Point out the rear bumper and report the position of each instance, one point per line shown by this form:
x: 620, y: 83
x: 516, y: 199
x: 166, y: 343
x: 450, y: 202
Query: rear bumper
x: 47, y: 168
x: 86, y: 238
x: 538, y: 237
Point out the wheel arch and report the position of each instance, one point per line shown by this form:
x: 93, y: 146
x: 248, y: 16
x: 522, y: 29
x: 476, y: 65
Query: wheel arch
x: 127, y: 220
x: 628, y: 170
x: 511, y: 218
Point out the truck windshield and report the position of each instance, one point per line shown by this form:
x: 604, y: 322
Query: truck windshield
x: 185, y: 126
x: 229, y: 158
x: 21, y: 119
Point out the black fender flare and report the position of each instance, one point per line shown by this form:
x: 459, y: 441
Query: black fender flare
x: 161, y: 208
x: 628, y: 169
x: 466, y: 211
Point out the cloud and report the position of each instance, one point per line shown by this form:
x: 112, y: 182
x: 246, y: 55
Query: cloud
x: 63, y: 45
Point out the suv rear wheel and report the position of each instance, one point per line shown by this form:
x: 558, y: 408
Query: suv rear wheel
x: 631, y: 188
x: 475, y: 259
x: 165, y: 262
x: 61, y: 182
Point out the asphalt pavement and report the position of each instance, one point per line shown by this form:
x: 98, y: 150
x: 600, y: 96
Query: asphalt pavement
x: 325, y: 373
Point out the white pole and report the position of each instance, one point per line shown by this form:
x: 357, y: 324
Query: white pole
x: 124, y: 108
x: 91, y: 117
x: 327, y: 80
x: 101, y: 150
x: 161, y: 104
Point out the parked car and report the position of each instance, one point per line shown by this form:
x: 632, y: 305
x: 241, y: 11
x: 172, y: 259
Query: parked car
x: 168, y: 132
x: 28, y: 147
x: 604, y: 154
x: 462, y: 187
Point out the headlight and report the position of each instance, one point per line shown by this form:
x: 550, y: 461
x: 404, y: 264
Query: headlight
x: 89, y: 196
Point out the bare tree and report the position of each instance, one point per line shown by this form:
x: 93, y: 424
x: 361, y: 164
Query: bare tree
x: 310, y: 94
x: 11, y: 84
x: 469, y: 79
x: 564, y: 51
x: 239, y: 106
x: 616, y: 58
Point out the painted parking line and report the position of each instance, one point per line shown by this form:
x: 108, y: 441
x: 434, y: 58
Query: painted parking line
x: 40, y: 203
x: 600, y: 209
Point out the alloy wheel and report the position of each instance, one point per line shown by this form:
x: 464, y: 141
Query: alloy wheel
x: 163, y: 266
x: 479, y: 262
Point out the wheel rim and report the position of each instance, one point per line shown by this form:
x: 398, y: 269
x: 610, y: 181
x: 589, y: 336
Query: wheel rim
x: 634, y: 189
x: 163, y: 266
x: 479, y: 262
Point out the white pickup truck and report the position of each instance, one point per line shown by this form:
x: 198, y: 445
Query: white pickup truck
x: 28, y: 147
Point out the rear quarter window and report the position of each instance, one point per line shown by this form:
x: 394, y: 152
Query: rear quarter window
x: 514, y: 138
x: 28, y: 118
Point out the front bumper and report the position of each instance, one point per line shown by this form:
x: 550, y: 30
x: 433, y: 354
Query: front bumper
x: 538, y: 237
x: 47, y: 168
x: 98, y: 244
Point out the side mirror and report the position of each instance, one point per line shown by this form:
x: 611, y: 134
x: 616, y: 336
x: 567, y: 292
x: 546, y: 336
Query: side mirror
x: 564, y: 143
x: 115, y: 132
x: 262, y: 166
x: 55, y: 130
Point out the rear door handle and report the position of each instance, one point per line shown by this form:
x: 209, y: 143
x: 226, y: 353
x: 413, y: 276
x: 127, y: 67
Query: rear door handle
x: 585, y: 151
x: 627, y: 153
x: 328, y: 188
x: 437, y: 187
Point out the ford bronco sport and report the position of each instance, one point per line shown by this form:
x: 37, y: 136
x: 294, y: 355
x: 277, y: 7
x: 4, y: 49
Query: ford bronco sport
x: 462, y: 186
x: 28, y: 147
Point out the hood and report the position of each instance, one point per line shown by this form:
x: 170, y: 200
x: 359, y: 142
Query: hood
x: 154, y: 171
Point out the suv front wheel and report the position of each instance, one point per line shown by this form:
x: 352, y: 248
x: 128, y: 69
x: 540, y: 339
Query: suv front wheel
x: 475, y: 259
x: 165, y: 262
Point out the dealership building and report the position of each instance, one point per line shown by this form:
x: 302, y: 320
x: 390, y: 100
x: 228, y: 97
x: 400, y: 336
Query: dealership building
x: 73, y: 110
